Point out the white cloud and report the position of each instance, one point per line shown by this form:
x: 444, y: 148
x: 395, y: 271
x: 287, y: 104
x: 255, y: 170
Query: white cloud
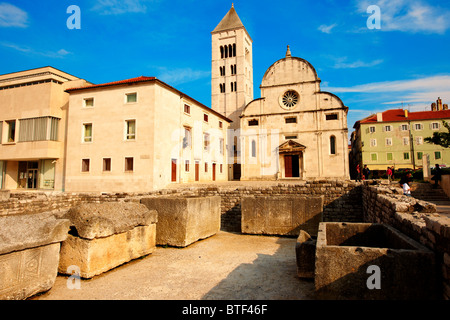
x: 12, y: 16
x: 327, y: 29
x: 116, y: 7
x: 25, y: 49
x: 427, y: 84
x: 356, y: 64
x: 183, y: 75
x: 414, y: 16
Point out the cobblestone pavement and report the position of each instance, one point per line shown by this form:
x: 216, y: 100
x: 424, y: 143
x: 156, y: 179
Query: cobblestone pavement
x: 226, y: 266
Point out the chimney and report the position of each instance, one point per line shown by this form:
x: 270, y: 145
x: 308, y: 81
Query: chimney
x: 406, y: 113
x: 433, y: 106
x: 445, y: 107
x: 439, y: 103
x: 379, y: 117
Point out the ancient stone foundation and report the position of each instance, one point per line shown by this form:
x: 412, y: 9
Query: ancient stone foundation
x: 104, y: 236
x: 184, y: 220
x: 281, y: 215
x: 348, y: 254
x: 29, y: 254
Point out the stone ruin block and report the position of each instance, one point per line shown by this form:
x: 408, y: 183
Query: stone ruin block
x: 369, y: 261
x: 305, y: 252
x: 183, y: 220
x: 29, y: 254
x: 281, y: 215
x: 105, y: 235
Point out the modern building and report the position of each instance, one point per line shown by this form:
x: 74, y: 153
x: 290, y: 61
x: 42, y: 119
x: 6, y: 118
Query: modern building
x: 294, y: 130
x: 396, y: 138
x: 141, y: 134
x: 33, y: 116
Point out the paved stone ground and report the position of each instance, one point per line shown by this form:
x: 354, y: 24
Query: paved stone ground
x: 226, y: 266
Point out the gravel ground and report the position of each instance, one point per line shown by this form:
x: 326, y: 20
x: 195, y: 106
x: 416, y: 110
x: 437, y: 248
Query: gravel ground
x: 226, y: 266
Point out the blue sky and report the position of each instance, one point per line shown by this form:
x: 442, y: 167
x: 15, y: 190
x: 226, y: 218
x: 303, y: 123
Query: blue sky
x: 405, y: 62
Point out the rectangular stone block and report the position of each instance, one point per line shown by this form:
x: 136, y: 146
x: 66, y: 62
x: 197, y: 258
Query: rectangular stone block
x: 372, y: 261
x: 305, y: 252
x: 106, y: 235
x: 281, y: 215
x: 27, y: 272
x: 184, y: 220
x: 98, y: 255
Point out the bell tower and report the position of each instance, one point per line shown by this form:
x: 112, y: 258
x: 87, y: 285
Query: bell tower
x: 231, y: 67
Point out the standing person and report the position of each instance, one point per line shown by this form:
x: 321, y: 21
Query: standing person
x: 358, y: 173
x: 389, y: 174
x: 366, y: 172
x: 437, y: 176
x: 393, y: 172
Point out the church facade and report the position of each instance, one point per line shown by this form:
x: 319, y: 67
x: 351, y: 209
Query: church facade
x: 293, y: 131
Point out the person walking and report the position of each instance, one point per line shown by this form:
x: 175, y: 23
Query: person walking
x: 389, y: 174
x: 358, y: 173
x: 366, y: 172
x: 437, y: 176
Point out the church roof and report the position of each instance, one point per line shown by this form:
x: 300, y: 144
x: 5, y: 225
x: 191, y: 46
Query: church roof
x: 230, y: 21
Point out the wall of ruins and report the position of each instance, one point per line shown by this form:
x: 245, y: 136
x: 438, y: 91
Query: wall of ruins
x: 415, y: 218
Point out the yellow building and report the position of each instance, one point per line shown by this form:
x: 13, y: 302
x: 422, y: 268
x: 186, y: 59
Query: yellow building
x: 141, y: 134
x: 33, y: 115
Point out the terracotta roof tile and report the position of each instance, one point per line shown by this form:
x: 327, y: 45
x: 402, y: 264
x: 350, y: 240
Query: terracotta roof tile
x: 399, y: 115
x: 115, y: 83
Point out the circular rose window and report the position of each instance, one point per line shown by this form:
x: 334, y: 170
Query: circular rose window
x: 290, y: 99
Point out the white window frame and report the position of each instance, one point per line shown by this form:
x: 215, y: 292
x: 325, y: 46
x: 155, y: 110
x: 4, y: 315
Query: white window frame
x: 129, y: 94
x: 370, y: 129
x: 419, y: 141
x: 420, y: 127
x: 387, y: 128
x: 83, y: 128
x: 406, y: 141
x: 373, y: 142
x: 126, y: 130
x: 404, y: 127
x: 432, y: 126
x: 388, y: 142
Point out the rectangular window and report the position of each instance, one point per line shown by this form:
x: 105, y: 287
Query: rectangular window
x: 419, y: 140
x: 290, y: 137
x: 221, y: 146
x: 419, y: 155
x: 253, y: 122
x: 187, y: 140
x: 220, y: 124
x: 85, y: 164
x: 88, y: 103
x: 405, y: 155
x: 389, y: 156
x: 186, y: 166
x: 106, y: 164
x: 333, y: 116
x: 373, y: 142
x: 221, y: 168
x: 291, y: 120
x: 206, y: 166
x: 372, y: 129
x: 374, y: 156
x: 187, y: 109
x: 405, y: 141
x: 437, y: 155
x: 418, y: 126
x: 131, y: 130
x: 87, y: 132
x: 387, y: 128
x: 404, y: 127
x: 206, y: 141
x: 435, y: 126
x: 129, y: 164
x: 205, y: 117
x: 388, y: 141
x: 131, y: 97
x: 11, y: 130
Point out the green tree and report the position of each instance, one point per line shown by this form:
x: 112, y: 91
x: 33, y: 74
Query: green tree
x: 440, y: 138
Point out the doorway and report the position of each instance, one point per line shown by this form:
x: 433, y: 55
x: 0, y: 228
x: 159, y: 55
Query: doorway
x: 174, y: 170
x: 214, y: 172
x: 28, y: 174
x: 197, y: 171
x: 291, y: 166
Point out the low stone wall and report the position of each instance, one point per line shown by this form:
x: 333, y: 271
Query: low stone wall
x: 415, y: 218
x: 342, y: 199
